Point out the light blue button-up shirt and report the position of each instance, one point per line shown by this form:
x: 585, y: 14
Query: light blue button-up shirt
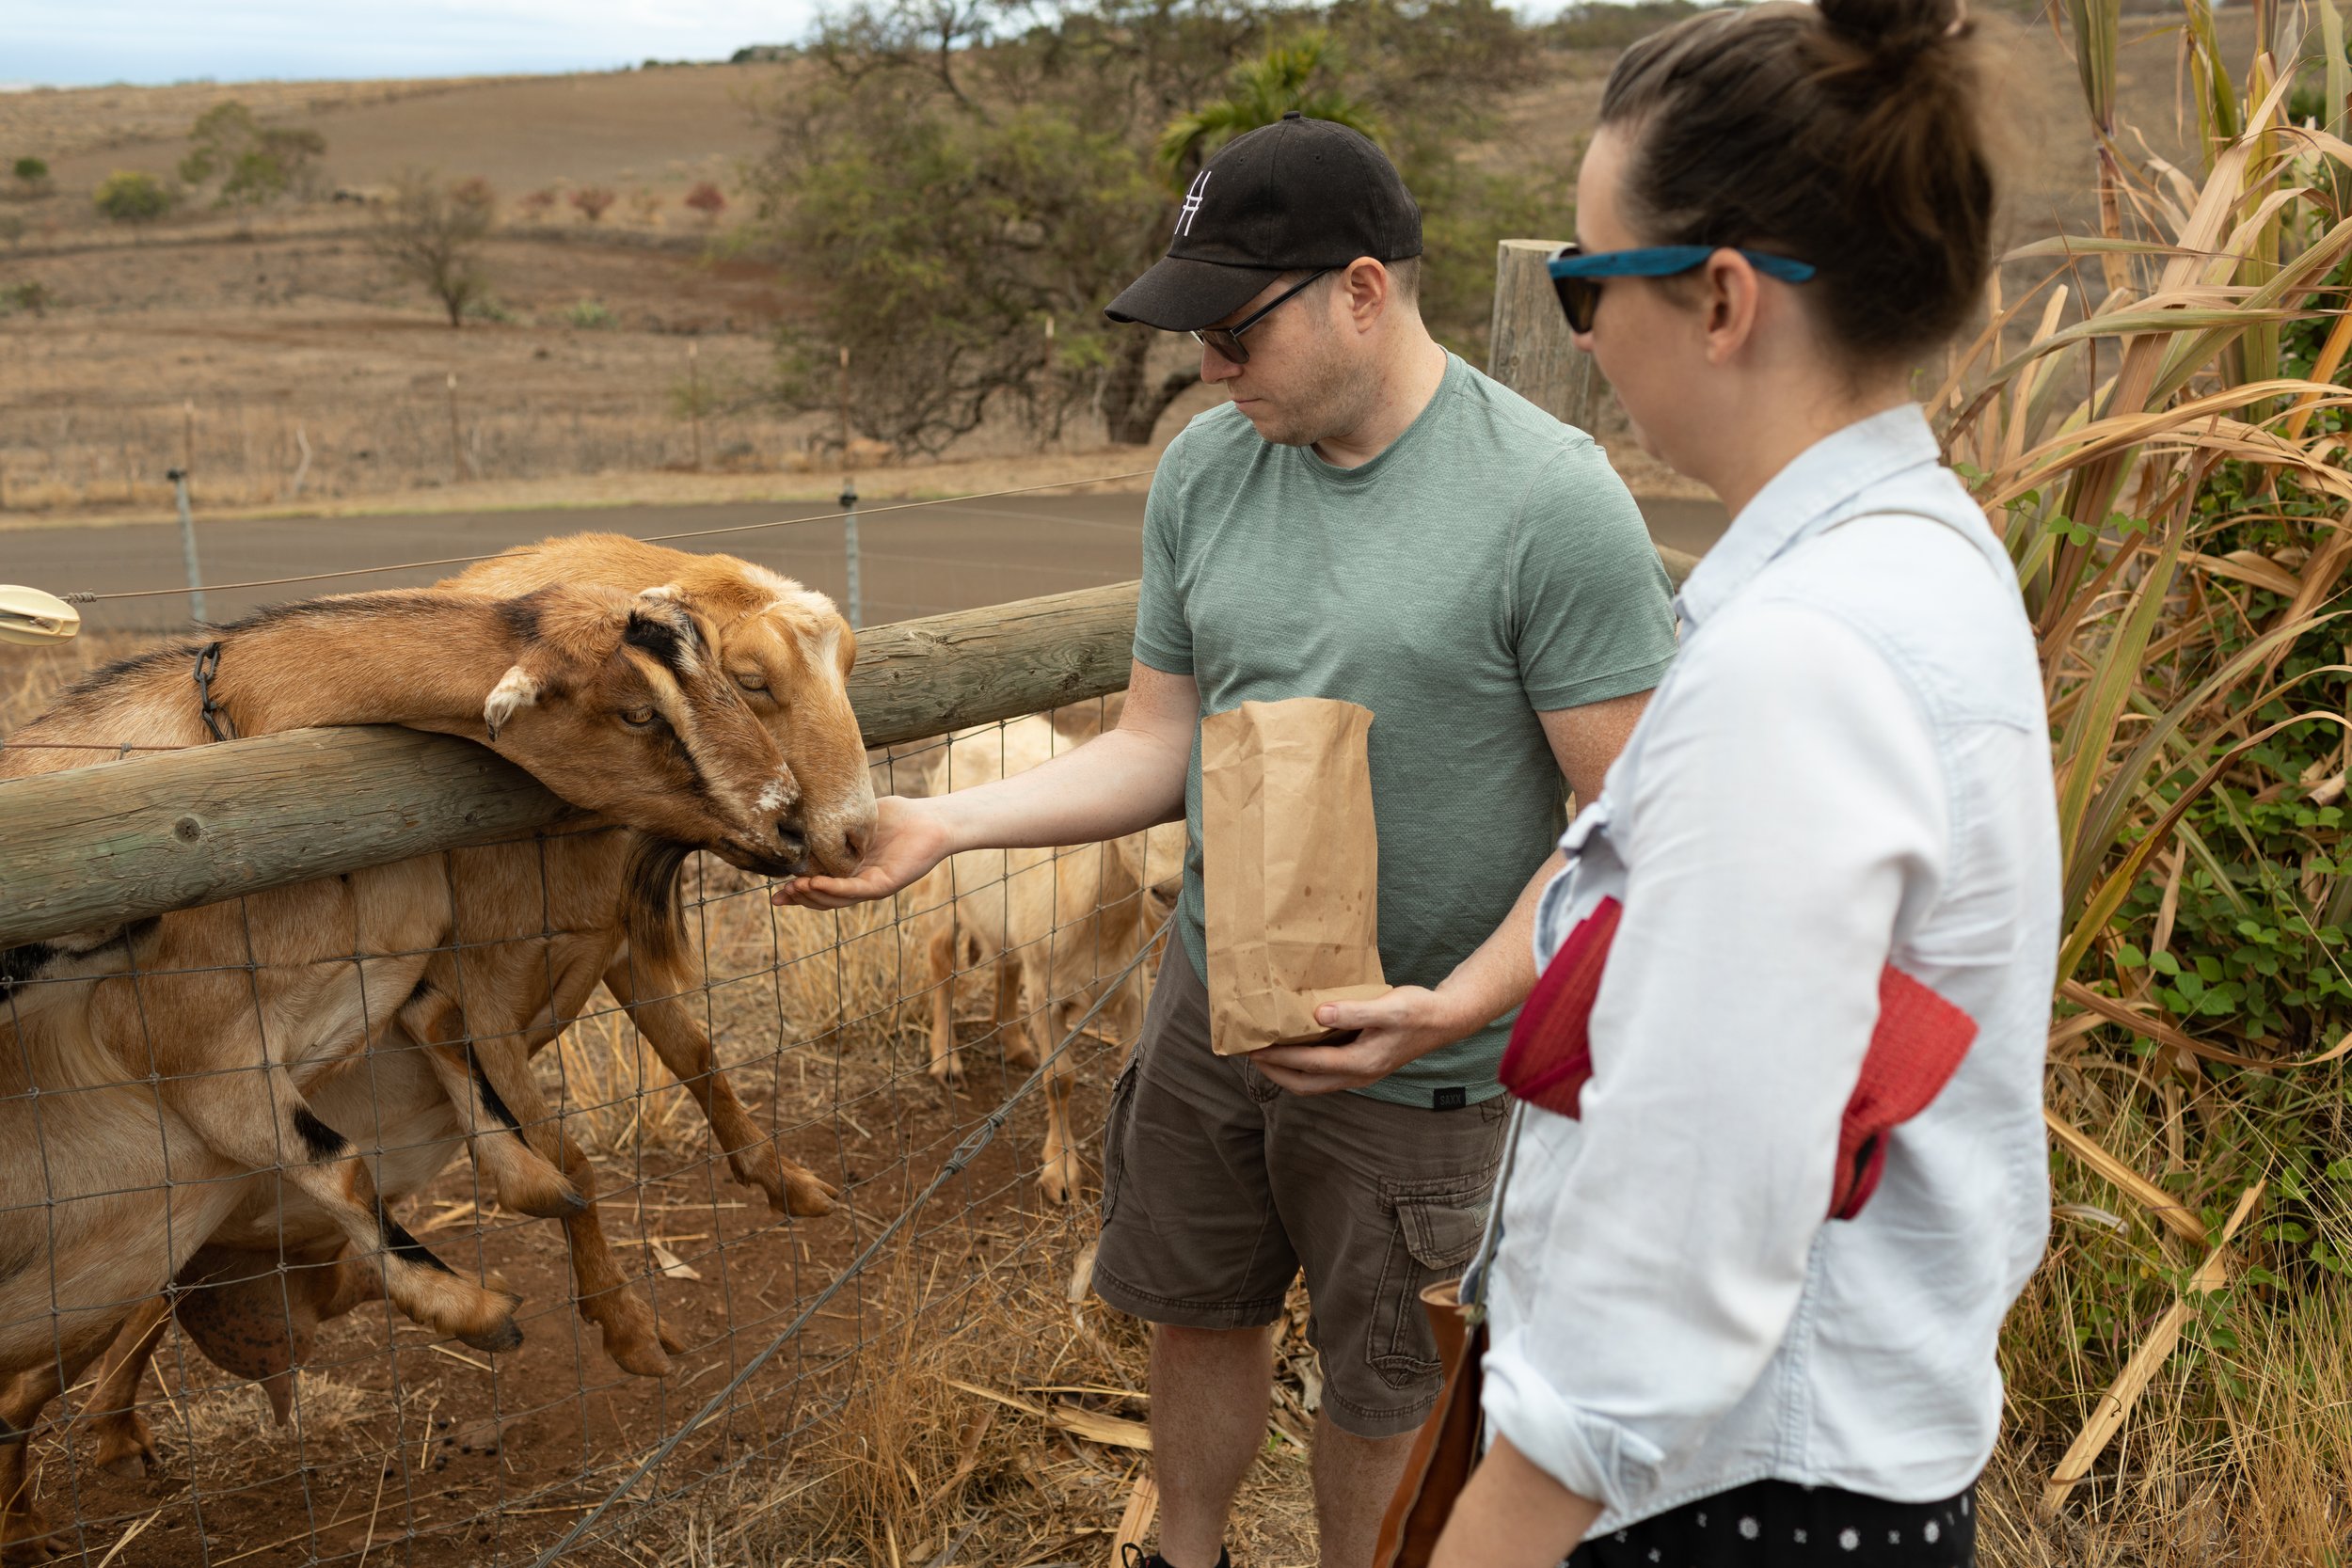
x: 1848, y: 766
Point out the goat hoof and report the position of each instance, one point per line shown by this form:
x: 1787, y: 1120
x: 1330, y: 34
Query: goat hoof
x: 808, y: 1195
x: 948, y: 1071
x: 640, y: 1358
x: 135, y: 1466
x: 499, y: 1338
x: 634, y: 1342
x: 26, y: 1538
x: 560, y: 1204
x: 1057, y: 1180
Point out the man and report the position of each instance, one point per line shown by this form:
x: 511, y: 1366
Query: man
x: 1371, y: 519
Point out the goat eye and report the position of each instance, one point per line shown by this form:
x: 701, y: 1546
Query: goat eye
x: 751, y: 680
x: 636, y: 717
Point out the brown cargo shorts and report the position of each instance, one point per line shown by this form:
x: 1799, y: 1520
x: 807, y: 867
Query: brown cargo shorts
x: 1219, y: 1187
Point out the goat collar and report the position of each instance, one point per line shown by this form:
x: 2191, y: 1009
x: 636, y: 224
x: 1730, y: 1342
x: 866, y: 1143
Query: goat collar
x: 216, y: 717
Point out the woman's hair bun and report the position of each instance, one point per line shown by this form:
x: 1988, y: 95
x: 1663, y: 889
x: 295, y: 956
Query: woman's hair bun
x: 1844, y: 133
x: 1895, y: 28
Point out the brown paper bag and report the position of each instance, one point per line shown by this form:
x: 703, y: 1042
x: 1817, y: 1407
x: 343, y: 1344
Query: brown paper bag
x: 1289, y: 865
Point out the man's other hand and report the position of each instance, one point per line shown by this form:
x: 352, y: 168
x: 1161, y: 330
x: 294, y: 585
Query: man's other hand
x: 1402, y: 1026
x: 909, y: 839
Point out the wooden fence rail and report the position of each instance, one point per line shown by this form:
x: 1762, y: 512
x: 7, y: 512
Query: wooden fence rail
x: 126, y: 840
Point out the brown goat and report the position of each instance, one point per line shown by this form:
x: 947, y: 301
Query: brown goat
x: 610, y: 899
x: 124, y: 1145
x: 1052, y: 925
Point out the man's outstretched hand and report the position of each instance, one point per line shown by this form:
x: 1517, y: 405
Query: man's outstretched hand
x: 909, y: 839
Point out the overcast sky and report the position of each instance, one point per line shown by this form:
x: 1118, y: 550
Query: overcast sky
x: 82, y: 42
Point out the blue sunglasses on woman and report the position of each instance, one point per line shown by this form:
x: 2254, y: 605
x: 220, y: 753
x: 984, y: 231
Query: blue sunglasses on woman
x: 1576, y: 275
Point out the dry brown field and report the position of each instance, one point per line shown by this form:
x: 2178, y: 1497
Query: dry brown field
x: 284, y: 333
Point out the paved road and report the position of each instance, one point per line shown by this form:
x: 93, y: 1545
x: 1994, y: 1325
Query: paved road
x: 917, y: 562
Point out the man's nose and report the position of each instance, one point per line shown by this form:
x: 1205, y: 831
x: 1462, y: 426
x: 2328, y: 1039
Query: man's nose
x: 1214, y: 367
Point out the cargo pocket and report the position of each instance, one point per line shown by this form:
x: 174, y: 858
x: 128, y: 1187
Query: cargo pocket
x: 1116, y: 1127
x: 1434, y: 1236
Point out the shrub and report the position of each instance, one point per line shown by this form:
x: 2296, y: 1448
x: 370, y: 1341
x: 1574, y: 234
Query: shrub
x: 32, y: 176
x: 254, y: 164
x: 537, y: 205
x: 32, y: 296
x: 644, y: 205
x: 592, y: 202
x: 707, y: 199
x: 134, y: 196
x: 591, y: 315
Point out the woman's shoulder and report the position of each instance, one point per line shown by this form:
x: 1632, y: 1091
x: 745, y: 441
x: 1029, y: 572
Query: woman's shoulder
x: 1929, y: 591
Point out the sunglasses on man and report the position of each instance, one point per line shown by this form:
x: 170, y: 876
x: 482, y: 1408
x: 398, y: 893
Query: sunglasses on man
x: 1577, y: 274
x: 1227, y: 339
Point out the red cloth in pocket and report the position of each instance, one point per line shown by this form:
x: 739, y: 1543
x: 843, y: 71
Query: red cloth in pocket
x: 1916, y: 1046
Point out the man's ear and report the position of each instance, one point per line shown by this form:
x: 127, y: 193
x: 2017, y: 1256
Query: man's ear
x: 1369, y: 291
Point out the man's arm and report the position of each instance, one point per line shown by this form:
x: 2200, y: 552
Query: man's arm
x: 1118, y: 783
x: 1410, y: 1021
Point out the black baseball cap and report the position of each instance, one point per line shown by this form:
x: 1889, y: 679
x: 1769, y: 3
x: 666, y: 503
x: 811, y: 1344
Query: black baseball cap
x: 1298, y: 195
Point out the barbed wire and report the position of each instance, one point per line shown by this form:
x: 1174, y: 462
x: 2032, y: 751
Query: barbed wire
x: 86, y: 596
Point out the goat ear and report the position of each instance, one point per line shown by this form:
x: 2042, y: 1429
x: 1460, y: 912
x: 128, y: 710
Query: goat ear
x: 517, y: 689
x: 659, y: 622
x: 844, y: 646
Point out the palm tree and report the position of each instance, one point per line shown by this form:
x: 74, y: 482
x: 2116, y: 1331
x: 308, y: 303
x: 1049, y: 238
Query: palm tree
x: 1258, y: 93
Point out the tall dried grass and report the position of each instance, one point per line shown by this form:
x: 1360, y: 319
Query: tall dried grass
x: 2158, y: 430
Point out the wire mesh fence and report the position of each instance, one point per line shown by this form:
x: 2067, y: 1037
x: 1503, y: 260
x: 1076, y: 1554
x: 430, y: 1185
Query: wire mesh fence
x: 251, y: 449
x: 213, y: 1365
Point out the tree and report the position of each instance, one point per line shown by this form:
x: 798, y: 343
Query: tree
x: 134, y: 196
x: 707, y: 199
x: 432, y: 233
x: 32, y: 176
x: 976, y: 168
x: 1287, y: 76
x: 255, y: 164
x: 590, y: 201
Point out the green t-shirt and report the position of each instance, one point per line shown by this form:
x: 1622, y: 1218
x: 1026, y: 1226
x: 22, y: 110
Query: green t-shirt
x: 1488, y: 567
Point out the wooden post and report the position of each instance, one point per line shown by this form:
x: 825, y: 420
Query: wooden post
x: 1528, y: 348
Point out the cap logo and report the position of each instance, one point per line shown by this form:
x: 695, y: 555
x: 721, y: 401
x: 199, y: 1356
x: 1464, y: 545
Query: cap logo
x: 1192, y: 202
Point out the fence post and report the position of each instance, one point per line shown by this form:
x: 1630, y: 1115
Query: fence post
x: 1529, y: 349
x: 849, y: 544
x: 457, y: 447
x: 179, y: 478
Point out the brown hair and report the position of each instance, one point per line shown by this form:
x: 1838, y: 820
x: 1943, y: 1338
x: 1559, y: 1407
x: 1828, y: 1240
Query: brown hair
x: 1844, y: 133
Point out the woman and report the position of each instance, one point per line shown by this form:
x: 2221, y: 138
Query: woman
x: 1847, y: 771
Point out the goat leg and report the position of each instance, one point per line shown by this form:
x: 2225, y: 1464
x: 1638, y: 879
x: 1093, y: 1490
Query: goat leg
x: 1014, y: 1036
x: 126, y: 1446
x: 651, y: 992
x: 635, y: 1340
x: 947, y: 1062
x: 25, y: 1536
x: 489, y: 1082
x: 1057, y: 1162
x: 260, y: 1120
